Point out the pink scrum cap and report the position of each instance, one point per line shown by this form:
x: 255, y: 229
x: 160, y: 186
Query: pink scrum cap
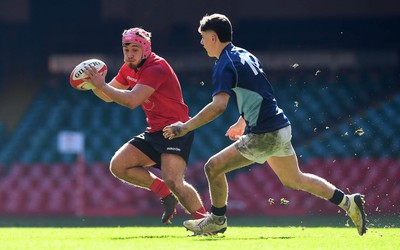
x: 140, y: 37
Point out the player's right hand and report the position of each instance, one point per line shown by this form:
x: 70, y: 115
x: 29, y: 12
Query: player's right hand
x: 174, y: 130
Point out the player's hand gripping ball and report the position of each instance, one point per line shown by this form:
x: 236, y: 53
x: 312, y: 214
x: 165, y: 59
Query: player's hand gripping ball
x: 78, y: 77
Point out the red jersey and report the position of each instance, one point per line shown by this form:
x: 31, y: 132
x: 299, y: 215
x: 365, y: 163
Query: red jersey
x: 165, y: 105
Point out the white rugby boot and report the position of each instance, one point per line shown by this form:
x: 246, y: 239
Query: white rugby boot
x: 209, y: 225
x: 355, y: 210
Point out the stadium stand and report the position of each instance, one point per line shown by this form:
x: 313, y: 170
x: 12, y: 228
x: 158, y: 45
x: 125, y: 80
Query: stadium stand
x: 345, y: 129
x: 49, y: 190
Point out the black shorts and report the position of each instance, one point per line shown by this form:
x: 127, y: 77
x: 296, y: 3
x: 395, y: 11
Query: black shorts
x: 154, y: 144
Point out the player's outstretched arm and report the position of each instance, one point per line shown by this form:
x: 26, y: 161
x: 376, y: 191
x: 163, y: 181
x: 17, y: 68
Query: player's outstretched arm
x: 206, y: 115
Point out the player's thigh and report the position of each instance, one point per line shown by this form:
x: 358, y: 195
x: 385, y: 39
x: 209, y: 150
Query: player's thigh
x: 130, y: 156
x: 172, y: 166
x: 226, y: 160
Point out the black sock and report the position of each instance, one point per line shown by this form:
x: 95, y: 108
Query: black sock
x: 337, y: 197
x: 218, y: 211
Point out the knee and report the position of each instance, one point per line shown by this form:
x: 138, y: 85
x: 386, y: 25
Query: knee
x: 173, y: 183
x: 170, y: 182
x: 115, y: 167
x: 210, y: 168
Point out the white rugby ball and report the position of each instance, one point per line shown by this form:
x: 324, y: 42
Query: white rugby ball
x: 78, y: 77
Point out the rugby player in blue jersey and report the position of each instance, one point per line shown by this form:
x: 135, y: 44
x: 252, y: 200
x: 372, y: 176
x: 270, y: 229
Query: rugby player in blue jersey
x: 261, y: 134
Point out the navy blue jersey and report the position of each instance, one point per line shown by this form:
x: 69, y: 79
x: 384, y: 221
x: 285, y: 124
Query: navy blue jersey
x: 240, y: 74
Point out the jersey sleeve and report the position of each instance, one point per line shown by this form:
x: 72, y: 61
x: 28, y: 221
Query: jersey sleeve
x: 121, y: 76
x: 224, y: 79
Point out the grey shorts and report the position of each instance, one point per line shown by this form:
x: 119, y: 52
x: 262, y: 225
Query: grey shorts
x: 259, y: 147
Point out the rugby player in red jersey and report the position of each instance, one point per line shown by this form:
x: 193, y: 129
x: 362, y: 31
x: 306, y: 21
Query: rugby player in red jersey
x: 147, y: 80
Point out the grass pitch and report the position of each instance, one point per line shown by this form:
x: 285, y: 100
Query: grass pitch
x: 151, y: 238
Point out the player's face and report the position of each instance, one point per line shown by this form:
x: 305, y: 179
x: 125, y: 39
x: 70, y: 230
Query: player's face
x: 208, y: 42
x: 132, y: 55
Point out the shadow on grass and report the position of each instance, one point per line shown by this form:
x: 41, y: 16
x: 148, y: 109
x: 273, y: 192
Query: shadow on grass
x: 202, y: 238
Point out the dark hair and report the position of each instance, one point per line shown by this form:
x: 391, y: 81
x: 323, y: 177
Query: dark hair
x: 218, y: 23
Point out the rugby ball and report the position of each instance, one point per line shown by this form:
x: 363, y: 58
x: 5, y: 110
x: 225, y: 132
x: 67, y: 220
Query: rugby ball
x: 78, y: 77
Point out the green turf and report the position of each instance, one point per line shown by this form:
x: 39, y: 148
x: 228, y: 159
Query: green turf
x: 285, y: 232
x: 265, y: 221
x: 151, y: 238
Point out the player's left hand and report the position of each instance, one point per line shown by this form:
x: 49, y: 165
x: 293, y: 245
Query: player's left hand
x: 174, y: 130
x: 235, y: 132
x: 97, y: 79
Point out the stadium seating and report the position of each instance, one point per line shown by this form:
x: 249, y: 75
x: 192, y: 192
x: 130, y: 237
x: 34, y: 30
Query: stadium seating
x: 327, y: 106
x: 57, y: 190
x: 326, y: 112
